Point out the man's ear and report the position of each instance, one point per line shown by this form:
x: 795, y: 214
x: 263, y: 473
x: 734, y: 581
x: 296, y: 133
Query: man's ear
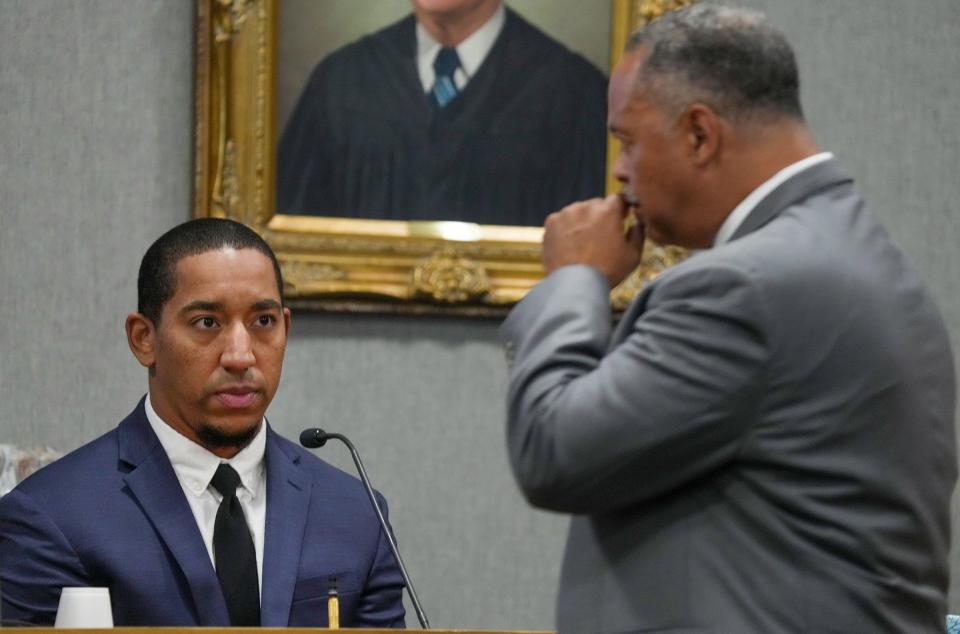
x: 703, y: 132
x: 142, y: 338
x: 286, y: 320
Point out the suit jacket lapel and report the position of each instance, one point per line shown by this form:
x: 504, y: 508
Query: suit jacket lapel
x: 288, y: 498
x: 153, y: 482
x: 805, y: 184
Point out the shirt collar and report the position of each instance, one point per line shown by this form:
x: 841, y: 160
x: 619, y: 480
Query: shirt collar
x: 472, y: 51
x: 193, y: 463
x: 748, y: 204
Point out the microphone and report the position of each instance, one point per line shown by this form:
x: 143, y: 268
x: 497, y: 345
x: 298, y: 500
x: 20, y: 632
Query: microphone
x: 315, y: 438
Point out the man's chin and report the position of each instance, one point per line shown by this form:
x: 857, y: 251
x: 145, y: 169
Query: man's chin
x: 664, y: 236
x: 235, y: 437
x: 656, y: 235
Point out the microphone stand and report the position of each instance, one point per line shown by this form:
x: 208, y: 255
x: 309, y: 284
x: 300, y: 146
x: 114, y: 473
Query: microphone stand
x: 318, y: 438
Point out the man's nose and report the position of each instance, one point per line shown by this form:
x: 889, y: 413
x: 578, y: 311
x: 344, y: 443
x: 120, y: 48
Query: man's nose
x: 238, y: 349
x: 620, y: 168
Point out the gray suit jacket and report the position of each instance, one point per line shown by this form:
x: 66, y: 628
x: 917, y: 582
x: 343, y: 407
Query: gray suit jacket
x: 765, y: 443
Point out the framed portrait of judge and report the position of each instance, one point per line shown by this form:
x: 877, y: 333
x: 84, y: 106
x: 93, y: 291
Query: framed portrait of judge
x: 392, y: 173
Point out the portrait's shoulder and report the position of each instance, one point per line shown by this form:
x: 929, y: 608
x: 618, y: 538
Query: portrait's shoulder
x: 531, y: 43
x: 394, y: 40
x: 365, y: 58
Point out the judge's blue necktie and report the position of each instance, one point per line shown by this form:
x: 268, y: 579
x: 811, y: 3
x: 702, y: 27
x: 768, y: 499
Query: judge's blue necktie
x: 445, y: 65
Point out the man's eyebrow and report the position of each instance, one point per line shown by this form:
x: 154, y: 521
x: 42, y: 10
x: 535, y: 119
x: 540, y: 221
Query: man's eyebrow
x: 267, y: 304
x: 202, y: 304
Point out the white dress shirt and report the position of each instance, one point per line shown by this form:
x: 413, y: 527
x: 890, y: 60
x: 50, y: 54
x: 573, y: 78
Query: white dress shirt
x: 748, y: 204
x: 195, y: 467
x: 472, y: 51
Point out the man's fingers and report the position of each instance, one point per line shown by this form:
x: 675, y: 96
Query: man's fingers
x: 592, y: 232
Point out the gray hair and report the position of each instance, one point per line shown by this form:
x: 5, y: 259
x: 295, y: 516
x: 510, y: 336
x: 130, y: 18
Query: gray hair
x: 729, y: 58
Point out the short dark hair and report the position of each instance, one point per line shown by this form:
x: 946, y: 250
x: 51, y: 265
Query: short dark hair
x: 156, y: 283
x: 731, y: 59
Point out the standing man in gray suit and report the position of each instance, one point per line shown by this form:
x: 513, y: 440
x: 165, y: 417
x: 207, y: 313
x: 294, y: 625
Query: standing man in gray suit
x: 765, y: 443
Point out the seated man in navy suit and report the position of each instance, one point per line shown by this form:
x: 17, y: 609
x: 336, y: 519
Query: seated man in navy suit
x: 193, y: 512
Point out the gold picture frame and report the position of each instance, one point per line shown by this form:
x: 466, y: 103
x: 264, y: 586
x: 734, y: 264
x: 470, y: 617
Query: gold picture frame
x: 346, y: 264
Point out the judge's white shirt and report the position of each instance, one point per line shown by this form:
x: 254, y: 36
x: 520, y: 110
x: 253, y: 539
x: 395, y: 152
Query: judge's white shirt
x: 472, y: 51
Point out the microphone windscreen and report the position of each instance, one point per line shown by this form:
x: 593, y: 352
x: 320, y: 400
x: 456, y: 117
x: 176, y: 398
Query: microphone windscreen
x: 313, y: 438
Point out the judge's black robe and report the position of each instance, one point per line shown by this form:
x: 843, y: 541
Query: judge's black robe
x: 525, y: 137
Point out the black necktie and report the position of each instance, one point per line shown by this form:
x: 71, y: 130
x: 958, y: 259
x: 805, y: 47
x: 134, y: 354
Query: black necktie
x: 233, y: 551
x: 444, y: 88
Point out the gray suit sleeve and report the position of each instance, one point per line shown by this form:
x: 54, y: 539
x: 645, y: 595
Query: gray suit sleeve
x: 591, y: 430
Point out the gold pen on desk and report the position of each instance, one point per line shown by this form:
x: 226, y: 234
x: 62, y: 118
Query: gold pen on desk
x: 333, y: 606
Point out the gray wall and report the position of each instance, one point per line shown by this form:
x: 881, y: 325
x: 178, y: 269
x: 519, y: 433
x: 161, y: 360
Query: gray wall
x: 95, y: 131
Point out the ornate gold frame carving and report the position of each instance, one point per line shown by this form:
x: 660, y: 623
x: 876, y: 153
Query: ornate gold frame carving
x: 356, y: 265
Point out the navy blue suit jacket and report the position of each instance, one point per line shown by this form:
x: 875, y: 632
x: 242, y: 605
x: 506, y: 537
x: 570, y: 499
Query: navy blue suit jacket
x: 113, y: 514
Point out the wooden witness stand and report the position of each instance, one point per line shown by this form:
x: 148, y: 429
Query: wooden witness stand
x: 246, y: 630
x: 250, y: 630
